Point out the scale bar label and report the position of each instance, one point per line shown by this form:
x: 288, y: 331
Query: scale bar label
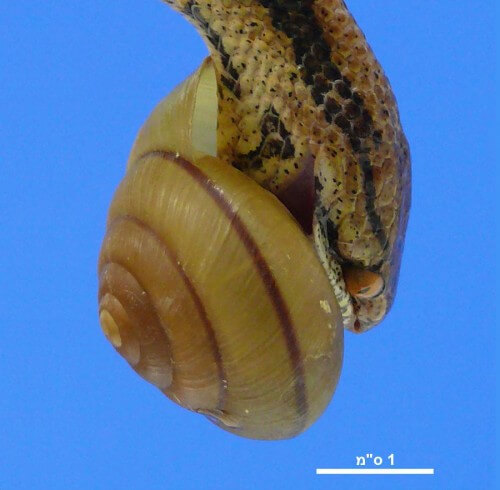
x: 375, y: 471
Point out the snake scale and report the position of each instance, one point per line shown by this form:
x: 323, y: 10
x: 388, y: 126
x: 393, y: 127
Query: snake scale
x: 306, y: 111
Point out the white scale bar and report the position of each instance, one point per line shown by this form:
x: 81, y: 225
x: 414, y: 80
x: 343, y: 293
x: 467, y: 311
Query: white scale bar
x: 375, y: 471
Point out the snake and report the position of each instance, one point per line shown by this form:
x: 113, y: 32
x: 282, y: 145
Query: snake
x: 306, y: 111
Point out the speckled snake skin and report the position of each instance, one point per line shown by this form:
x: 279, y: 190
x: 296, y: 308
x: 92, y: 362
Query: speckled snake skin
x: 306, y: 111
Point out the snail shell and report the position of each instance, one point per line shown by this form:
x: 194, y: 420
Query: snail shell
x: 208, y: 286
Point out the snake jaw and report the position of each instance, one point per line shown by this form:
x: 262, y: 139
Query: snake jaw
x: 334, y: 272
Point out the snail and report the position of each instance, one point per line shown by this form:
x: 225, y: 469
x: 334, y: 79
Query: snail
x: 263, y: 210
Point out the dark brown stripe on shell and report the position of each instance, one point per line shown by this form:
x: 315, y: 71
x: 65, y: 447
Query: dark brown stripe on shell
x: 194, y: 296
x: 262, y: 267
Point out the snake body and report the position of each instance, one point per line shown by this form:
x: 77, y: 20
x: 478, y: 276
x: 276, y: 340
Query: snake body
x: 306, y: 111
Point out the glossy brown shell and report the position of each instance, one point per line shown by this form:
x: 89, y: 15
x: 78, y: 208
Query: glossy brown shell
x: 210, y: 289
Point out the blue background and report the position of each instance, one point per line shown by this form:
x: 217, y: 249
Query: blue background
x: 77, y: 79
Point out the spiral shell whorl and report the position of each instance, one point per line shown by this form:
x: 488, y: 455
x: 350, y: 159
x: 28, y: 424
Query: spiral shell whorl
x: 131, y: 324
x: 217, y: 318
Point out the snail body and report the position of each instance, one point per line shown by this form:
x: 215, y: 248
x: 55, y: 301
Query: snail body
x: 252, y: 225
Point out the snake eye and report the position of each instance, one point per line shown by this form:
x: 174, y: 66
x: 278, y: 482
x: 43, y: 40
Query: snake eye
x: 362, y: 283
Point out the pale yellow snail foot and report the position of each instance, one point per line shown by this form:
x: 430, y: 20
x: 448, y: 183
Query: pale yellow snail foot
x: 208, y: 286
